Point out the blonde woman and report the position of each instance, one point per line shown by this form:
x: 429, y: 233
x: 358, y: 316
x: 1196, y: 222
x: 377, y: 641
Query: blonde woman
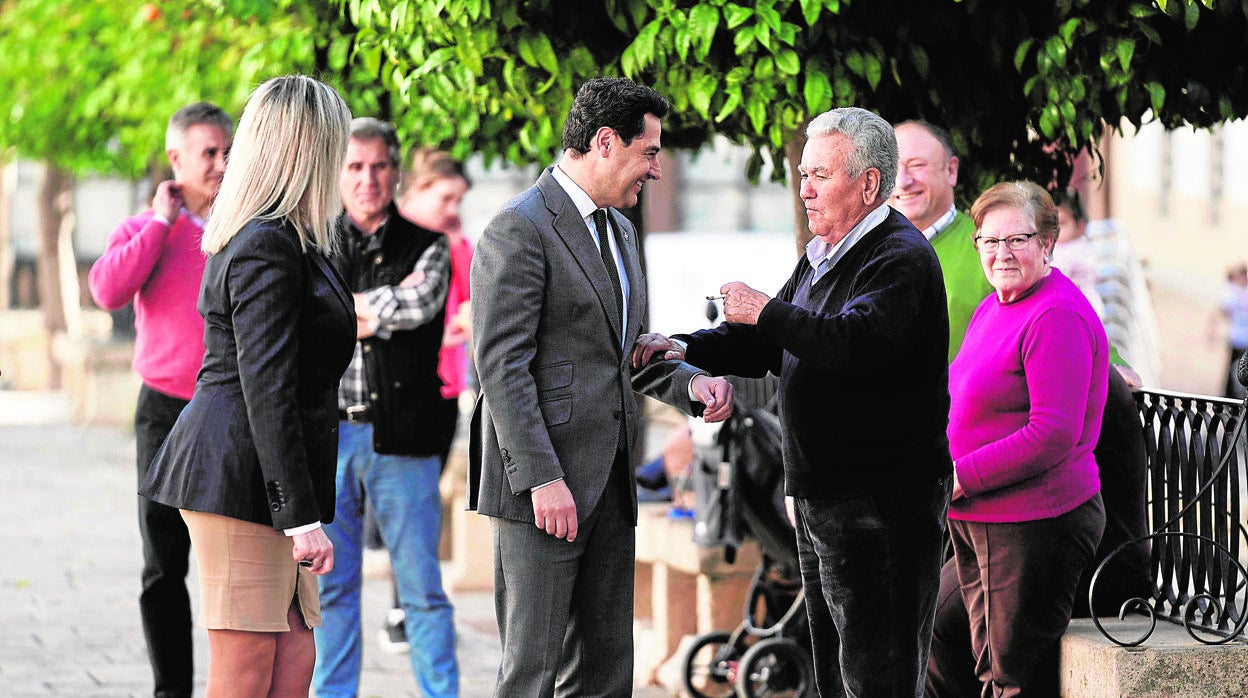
x: 250, y: 462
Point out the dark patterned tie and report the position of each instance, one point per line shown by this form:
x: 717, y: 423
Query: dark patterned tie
x: 600, y: 222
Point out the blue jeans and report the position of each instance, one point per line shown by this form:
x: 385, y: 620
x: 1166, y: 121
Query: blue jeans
x: 871, y: 568
x: 403, y: 491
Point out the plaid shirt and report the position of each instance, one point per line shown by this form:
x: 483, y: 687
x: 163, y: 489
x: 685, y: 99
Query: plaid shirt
x: 397, y: 307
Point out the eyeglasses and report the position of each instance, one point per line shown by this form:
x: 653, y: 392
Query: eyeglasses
x: 1014, y: 242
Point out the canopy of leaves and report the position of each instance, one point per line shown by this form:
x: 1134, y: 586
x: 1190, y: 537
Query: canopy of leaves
x: 1020, y: 85
x: 90, y: 85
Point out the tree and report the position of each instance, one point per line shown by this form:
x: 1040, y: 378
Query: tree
x: 89, y: 87
x: 1021, y: 86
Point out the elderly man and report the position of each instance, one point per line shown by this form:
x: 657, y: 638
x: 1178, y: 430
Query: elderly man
x: 558, y: 299
x: 859, y: 336
x: 389, y: 443
x: 927, y: 172
x: 153, y: 259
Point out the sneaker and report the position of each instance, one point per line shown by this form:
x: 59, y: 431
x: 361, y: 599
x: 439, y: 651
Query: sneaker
x: 392, y: 636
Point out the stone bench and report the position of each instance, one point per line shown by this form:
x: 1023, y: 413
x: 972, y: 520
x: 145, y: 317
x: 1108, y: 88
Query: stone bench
x: 1171, y: 664
x: 682, y: 589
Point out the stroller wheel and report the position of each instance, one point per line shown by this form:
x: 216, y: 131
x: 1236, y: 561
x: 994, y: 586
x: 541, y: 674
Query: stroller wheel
x: 711, y: 666
x: 775, y: 667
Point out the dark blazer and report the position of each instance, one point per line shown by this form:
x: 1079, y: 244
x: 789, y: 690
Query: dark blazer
x: 259, y: 439
x: 555, y: 379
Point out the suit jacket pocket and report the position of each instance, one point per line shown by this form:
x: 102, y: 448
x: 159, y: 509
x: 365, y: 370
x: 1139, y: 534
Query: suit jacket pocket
x: 556, y: 411
x: 553, y: 376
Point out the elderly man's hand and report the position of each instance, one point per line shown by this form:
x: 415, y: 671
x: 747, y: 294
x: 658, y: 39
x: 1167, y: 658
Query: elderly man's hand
x: 647, y: 345
x: 742, y: 304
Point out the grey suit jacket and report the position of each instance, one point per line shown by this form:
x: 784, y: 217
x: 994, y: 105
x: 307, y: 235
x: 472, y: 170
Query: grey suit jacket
x: 552, y: 356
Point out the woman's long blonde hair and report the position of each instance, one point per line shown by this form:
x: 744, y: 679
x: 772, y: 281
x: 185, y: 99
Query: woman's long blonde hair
x: 284, y: 164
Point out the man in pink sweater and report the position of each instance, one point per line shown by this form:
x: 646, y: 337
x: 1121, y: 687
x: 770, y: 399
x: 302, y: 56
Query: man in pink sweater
x: 154, y: 260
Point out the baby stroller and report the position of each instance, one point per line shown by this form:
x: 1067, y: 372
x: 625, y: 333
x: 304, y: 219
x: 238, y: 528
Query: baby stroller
x: 743, y: 495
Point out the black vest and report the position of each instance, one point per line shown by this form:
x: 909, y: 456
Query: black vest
x: 404, y: 389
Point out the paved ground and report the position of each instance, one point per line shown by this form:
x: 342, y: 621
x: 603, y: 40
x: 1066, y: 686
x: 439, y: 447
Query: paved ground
x: 69, y: 570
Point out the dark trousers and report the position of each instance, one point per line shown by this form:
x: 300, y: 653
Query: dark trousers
x: 1018, y: 582
x: 871, y: 567
x: 164, y: 603
x: 565, y: 610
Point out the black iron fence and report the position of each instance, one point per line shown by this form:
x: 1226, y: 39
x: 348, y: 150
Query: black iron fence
x: 1197, y: 487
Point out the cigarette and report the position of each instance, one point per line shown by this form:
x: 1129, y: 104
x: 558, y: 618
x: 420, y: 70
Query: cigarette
x: 715, y: 298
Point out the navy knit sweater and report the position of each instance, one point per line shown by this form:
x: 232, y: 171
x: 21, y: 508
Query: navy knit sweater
x: 862, y: 359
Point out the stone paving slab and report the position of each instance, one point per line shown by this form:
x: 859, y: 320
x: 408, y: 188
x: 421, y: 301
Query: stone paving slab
x: 69, y: 573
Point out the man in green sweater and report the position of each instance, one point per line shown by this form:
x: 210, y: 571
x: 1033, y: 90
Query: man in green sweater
x: 926, y: 175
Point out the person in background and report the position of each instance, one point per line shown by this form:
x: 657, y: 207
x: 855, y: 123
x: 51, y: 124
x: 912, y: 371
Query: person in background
x: 927, y: 172
x: 558, y: 299
x: 430, y: 194
x: 1075, y: 253
x: 154, y: 260
x: 431, y: 189
x: 390, y: 432
x: 250, y: 461
x: 1028, y: 391
x: 1233, y: 310
x: 868, y: 496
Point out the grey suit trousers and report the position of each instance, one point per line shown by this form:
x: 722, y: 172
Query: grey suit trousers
x: 545, y: 584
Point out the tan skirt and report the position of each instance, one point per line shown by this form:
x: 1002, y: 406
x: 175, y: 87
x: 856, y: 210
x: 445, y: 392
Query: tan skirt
x: 247, y: 577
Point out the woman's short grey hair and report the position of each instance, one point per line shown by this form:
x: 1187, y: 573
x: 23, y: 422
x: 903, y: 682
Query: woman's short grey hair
x: 875, y: 144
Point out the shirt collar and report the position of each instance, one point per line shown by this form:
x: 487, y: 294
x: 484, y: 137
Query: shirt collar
x: 818, y: 251
x: 584, y: 205
x: 941, y: 223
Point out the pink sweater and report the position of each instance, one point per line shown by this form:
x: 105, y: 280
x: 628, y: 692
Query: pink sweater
x: 1028, y: 390
x: 159, y: 267
x: 453, y: 361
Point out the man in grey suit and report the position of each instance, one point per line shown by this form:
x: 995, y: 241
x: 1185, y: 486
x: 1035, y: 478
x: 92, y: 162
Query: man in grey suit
x: 558, y: 297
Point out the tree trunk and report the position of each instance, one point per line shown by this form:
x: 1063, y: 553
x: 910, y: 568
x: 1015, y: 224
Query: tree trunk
x: 793, y: 153
x: 54, y: 201
x: 6, y: 244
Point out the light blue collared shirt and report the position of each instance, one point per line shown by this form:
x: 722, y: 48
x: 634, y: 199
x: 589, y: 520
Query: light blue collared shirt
x: 586, y: 207
x: 823, y: 257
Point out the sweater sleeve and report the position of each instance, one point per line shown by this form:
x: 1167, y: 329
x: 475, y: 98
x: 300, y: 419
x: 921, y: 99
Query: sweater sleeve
x: 131, y: 253
x: 1058, y: 357
x: 886, y: 302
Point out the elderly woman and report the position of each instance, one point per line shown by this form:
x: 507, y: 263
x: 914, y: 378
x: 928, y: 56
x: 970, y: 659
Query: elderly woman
x: 1028, y: 391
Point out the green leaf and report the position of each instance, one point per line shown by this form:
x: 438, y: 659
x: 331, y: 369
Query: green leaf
x: 743, y: 40
x: 919, y: 59
x: 788, y: 62
x: 817, y: 92
x: 764, y: 68
x: 1067, y: 31
x: 1056, y: 50
x: 703, y: 21
x: 873, y: 71
x: 545, y: 54
x: 1049, y: 119
x: 756, y: 110
x: 1020, y: 54
x: 1125, y: 49
x: 1156, y: 96
x: 736, y: 15
x: 854, y: 61
x: 730, y: 105
x: 810, y: 11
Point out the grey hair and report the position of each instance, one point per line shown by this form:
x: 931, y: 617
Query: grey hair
x: 366, y: 128
x: 195, y: 114
x: 875, y: 144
